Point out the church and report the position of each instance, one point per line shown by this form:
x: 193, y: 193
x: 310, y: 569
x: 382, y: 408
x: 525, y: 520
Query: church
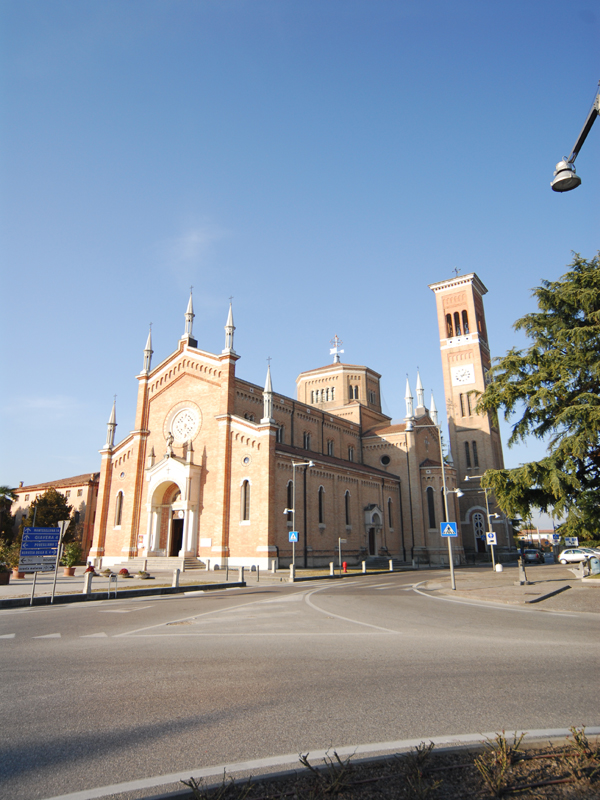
x: 221, y: 470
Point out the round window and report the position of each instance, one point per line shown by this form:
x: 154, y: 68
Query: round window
x: 246, y: 460
x: 122, y: 475
x: 385, y: 460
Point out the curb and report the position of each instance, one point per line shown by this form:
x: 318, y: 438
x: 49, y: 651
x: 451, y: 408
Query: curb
x: 384, y: 750
x: 124, y: 594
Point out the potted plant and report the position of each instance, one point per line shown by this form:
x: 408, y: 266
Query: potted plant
x: 71, y: 555
x: 10, y: 556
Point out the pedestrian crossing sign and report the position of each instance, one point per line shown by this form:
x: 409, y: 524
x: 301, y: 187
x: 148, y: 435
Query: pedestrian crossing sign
x: 448, y: 529
x: 293, y: 536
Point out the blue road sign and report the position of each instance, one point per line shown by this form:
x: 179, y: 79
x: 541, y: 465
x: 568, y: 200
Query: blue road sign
x: 448, y: 529
x: 38, y: 542
x: 45, y: 535
x: 293, y: 536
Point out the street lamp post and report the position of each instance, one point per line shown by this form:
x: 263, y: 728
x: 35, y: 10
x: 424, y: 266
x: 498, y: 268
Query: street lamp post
x: 457, y: 492
x: 293, y: 509
x: 565, y: 177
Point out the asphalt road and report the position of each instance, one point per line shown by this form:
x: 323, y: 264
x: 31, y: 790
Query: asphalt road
x: 99, y: 694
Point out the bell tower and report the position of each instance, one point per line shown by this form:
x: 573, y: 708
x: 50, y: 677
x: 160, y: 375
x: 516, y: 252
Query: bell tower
x: 475, y: 441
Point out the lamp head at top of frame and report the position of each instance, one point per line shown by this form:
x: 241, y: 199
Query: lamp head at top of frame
x: 565, y: 177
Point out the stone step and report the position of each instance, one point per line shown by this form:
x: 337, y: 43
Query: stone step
x: 191, y: 562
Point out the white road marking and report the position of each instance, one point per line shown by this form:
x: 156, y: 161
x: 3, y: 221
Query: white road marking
x: 93, y: 635
x: 490, y: 604
x: 7, y: 636
x: 292, y: 760
x: 346, y: 619
x: 121, y: 610
x: 256, y: 635
x: 48, y: 636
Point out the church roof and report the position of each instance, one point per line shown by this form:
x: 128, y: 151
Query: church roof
x: 337, y: 366
x: 429, y: 463
x: 382, y: 430
x: 307, y: 455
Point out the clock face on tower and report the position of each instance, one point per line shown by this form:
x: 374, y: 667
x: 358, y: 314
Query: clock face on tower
x: 463, y: 375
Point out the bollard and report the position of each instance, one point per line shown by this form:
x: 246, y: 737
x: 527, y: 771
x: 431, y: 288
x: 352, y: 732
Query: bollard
x: 175, y: 583
x: 87, y: 582
x: 499, y: 568
x: 274, y: 566
x: 522, y: 575
x: 241, y: 574
x: 257, y: 574
x: 145, y: 567
x: 345, y: 566
x: 208, y: 564
x: 391, y: 565
x: 331, y: 567
x: 292, y: 573
x: 364, y: 567
x: 227, y: 572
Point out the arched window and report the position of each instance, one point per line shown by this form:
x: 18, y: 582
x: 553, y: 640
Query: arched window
x: 465, y: 321
x: 119, y: 510
x: 306, y: 440
x: 431, y: 506
x: 321, y: 504
x: 333, y: 392
x: 245, y: 501
x: 327, y: 394
x: 279, y: 435
x: 479, y: 524
x: 449, y: 331
x: 347, y: 507
x: 468, y: 455
x: 350, y: 454
x: 390, y: 515
x: 457, y: 323
x: 290, y: 501
x: 475, y: 456
x: 330, y: 447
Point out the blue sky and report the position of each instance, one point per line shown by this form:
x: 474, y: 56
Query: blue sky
x: 322, y: 161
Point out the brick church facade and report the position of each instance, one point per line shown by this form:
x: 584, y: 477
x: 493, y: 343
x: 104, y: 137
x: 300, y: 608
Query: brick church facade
x: 221, y: 469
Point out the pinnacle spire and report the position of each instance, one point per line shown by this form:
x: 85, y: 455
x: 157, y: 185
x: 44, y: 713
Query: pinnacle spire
x: 433, y: 411
x: 268, y: 397
x: 229, y: 329
x: 189, y: 316
x: 408, y: 398
x: 148, y: 352
x: 420, y: 391
x: 112, y: 426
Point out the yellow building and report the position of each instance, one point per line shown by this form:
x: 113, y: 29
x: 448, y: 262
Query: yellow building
x: 221, y: 469
x: 80, y: 491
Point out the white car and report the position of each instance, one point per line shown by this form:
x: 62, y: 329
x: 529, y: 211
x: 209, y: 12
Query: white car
x: 574, y: 555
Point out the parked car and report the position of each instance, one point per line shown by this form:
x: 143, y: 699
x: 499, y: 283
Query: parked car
x: 574, y: 555
x: 533, y: 557
x: 593, y: 551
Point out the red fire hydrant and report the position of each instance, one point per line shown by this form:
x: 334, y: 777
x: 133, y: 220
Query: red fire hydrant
x: 345, y: 566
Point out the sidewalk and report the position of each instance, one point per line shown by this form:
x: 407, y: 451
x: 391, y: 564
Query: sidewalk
x: 552, y: 587
x: 74, y: 585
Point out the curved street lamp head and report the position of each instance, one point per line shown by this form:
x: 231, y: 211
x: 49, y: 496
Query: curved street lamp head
x: 565, y: 177
x: 459, y: 493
